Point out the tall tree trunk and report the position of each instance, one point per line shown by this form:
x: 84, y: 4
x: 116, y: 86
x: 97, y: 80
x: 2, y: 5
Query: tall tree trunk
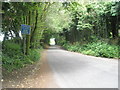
x: 28, y: 37
x: 114, y: 26
x: 34, y: 30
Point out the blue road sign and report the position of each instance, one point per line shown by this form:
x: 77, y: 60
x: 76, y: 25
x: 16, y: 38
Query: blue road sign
x: 25, y: 29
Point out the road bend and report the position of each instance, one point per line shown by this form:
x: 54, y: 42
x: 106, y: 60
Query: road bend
x: 74, y: 70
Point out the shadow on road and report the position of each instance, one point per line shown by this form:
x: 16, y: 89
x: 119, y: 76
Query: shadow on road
x: 54, y: 47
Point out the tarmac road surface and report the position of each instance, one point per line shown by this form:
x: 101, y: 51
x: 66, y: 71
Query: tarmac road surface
x: 74, y: 70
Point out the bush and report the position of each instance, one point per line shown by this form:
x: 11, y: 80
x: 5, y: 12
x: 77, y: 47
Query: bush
x: 13, y: 58
x: 19, y: 61
x: 99, y: 49
x: 34, y: 55
x: 11, y: 48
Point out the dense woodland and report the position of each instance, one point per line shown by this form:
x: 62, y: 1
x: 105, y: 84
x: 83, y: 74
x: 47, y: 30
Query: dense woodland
x: 90, y: 28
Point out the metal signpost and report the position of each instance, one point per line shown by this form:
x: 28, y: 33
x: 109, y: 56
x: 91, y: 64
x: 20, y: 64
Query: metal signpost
x: 25, y: 30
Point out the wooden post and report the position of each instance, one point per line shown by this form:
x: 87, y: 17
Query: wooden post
x: 24, y: 44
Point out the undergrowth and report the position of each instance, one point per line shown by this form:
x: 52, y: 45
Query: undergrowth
x: 13, y: 58
x: 99, y: 49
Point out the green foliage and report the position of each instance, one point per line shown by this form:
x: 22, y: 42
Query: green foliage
x: 11, y: 48
x: 61, y: 41
x: 57, y: 17
x: 29, y: 13
x: 34, y: 55
x: 15, y: 14
x: 92, y: 19
x: 13, y: 58
x: 92, y: 27
x: 20, y: 60
x: 84, y: 26
x: 100, y: 49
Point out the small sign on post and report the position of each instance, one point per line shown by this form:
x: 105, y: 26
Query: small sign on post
x: 25, y: 29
